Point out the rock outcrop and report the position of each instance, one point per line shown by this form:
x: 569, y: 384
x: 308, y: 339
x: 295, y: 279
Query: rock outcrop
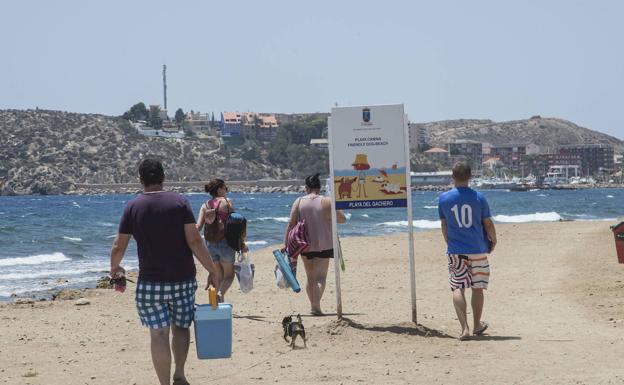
x: 548, y: 133
x: 48, y: 152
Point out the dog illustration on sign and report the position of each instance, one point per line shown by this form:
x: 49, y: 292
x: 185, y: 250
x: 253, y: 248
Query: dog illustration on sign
x: 392, y: 189
x: 387, y: 187
x: 345, y: 187
x: 382, y: 177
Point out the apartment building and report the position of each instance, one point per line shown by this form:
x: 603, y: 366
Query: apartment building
x: 259, y: 126
x: 595, y: 158
x: 231, y: 124
x: 467, y: 150
x: 418, y: 136
x: 539, y: 164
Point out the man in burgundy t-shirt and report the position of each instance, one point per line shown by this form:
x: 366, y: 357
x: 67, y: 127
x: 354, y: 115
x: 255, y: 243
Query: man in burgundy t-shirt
x: 156, y: 221
x: 163, y: 226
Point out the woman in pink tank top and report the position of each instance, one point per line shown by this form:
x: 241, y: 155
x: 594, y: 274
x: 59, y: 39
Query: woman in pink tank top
x: 316, y: 211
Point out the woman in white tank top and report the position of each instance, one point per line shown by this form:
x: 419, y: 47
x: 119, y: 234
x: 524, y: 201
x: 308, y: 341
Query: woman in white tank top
x: 315, y: 209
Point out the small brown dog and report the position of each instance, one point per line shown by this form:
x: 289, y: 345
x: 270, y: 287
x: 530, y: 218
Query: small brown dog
x: 293, y: 329
x: 344, y: 187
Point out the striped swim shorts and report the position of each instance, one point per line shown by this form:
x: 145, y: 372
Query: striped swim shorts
x: 470, y: 271
x: 160, y: 303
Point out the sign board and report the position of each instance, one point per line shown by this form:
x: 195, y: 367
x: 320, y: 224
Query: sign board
x: 369, y: 168
x: 369, y: 158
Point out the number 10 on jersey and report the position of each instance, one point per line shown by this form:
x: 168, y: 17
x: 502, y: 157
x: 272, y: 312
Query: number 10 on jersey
x: 463, y: 215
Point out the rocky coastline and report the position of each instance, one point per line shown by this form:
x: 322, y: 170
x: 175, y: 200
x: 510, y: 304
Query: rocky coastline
x: 291, y: 189
x: 254, y: 189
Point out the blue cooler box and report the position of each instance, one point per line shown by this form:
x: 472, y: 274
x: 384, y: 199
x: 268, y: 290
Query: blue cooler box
x: 213, y: 331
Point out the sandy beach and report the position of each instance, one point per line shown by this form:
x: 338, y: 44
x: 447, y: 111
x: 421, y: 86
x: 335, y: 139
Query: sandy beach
x: 555, y: 309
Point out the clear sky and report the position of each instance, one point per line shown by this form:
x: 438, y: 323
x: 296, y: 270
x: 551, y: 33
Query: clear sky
x: 496, y: 59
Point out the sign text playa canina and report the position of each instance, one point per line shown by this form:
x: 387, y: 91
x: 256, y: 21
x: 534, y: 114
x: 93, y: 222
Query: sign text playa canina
x: 369, y: 158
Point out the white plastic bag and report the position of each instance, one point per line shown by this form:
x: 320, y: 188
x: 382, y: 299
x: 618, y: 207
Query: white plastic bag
x: 245, y: 273
x: 280, y: 280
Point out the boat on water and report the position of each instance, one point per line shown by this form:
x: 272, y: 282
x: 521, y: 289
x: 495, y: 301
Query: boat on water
x: 563, y: 175
x: 513, y: 184
x: 505, y: 183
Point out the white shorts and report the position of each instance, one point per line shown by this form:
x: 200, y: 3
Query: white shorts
x: 468, y: 271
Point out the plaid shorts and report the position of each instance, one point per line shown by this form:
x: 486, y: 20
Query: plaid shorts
x: 160, y: 303
x: 469, y: 271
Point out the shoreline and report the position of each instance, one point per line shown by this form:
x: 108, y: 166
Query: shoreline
x: 72, y: 292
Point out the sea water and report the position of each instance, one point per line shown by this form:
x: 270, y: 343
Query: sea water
x: 53, y: 242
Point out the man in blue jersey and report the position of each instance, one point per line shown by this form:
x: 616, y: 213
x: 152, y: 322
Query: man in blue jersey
x: 469, y: 234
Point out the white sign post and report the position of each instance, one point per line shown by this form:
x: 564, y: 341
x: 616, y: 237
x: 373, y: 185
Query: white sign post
x: 369, y: 168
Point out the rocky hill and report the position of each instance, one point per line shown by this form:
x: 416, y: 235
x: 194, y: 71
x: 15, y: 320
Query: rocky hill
x: 47, y: 152
x: 548, y: 133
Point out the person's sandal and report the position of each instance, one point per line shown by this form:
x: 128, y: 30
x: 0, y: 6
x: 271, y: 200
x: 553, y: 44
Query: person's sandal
x: 484, y: 325
x: 317, y: 313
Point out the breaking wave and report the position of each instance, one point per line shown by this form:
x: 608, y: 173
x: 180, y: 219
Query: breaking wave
x: 421, y: 224
x: 522, y: 218
x: 72, y: 239
x: 34, y: 259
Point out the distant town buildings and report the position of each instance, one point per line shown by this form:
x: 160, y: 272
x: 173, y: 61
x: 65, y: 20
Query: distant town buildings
x: 418, y: 136
x: 146, y: 130
x: 249, y: 125
x: 466, y: 150
x: 320, y: 143
x: 438, y: 154
x: 492, y: 163
x: 259, y: 126
x: 510, y: 154
x: 299, y: 117
x: 520, y: 159
x: 595, y: 158
x: 432, y: 178
x: 156, y: 111
x: 197, y: 121
x: 561, y: 174
x: 158, y: 124
x: 524, y: 159
x: 231, y: 124
x: 586, y: 159
x: 539, y: 164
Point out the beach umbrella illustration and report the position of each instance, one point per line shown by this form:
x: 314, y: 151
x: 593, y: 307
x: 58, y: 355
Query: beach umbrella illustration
x: 361, y: 162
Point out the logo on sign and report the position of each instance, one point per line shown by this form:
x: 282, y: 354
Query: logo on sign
x: 366, y: 115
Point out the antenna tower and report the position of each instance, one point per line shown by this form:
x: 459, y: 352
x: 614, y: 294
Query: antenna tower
x: 165, y: 84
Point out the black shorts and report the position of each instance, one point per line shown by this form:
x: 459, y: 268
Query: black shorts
x: 329, y: 253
